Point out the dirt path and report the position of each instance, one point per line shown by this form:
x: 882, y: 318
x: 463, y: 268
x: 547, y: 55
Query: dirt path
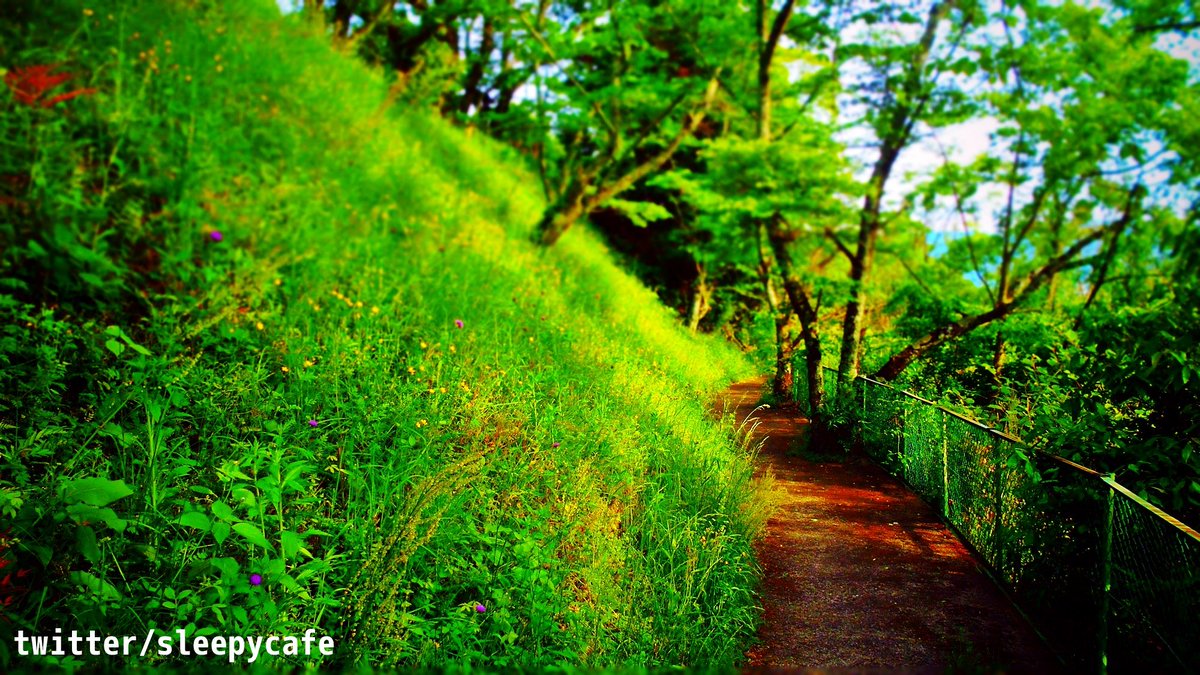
x: 861, y: 576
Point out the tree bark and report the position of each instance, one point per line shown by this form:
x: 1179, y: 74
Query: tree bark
x: 701, y: 293
x: 767, y: 44
x: 806, y: 310
x: 473, y: 95
x: 560, y: 216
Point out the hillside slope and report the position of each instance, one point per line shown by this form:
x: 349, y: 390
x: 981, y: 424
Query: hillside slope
x: 276, y: 356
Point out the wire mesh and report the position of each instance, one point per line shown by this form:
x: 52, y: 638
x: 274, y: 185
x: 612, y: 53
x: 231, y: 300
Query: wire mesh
x: 922, y: 460
x: 1155, y: 590
x: 1045, y: 528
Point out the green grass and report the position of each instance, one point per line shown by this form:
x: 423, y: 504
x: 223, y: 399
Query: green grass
x: 553, y: 459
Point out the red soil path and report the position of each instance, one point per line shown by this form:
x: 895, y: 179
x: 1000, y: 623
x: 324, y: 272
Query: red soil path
x: 860, y: 575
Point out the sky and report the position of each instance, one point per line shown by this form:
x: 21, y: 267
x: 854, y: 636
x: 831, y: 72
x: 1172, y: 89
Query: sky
x: 965, y: 142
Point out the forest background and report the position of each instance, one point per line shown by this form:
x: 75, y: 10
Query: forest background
x: 990, y: 203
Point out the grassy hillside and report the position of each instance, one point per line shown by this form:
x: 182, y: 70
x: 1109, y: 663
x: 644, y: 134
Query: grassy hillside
x: 258, y: 326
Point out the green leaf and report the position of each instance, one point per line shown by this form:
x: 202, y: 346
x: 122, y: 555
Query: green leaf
x: 197, y: 520
x: 96, y: 585
x: 95, y: 491
x: 293, y: 586
x: 293, y: 544
x: 44, y: 553
x: 252, y: 534
x: 86, y: 513
x: 92, y: 279
x: 220, y: 532
x: 85, y: 541
x: 223, y: 511
x: 114, y: 346
x: 640, y: 214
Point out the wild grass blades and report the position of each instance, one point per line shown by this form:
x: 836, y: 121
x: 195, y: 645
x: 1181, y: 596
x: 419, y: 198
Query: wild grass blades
x: 376, y: 590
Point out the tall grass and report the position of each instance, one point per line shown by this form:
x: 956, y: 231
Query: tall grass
x: 298, y: 400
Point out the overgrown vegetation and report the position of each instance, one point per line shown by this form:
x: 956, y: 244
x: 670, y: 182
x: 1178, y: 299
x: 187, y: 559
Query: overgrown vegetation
x: 258, y: 321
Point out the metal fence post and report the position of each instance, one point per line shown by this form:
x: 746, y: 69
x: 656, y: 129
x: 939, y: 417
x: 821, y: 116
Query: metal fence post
x: 1106, y: 546
x: 945, y: 469
x: 998, y: 513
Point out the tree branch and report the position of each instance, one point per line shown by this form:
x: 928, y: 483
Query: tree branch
x: 935, y: 338
x: 654, y: 163
x: 837, y: 241
x: 1182, y: 26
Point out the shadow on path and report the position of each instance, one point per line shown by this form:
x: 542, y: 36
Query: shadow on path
x: 860, y: 575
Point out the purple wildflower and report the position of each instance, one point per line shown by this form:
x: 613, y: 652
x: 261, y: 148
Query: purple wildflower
x: 480, y: 608
x: 312, y: 423
x: 255, y: 579
x: 458, y: 323
x: 216, y: 235
x: 555, y: 444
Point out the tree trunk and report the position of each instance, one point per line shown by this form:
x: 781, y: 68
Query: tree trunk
x: 901, y: 116
x: 576, y: 203
x: 806, y: 310
x: 783, y: 385
x: 473, y: 94
x: 562, y: 214
x: 701, y: 292
x: 853, y: 324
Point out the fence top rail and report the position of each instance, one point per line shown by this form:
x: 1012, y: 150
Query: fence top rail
x: 1171, y: 520
x: 964, y: 418
x: 1107, y: 479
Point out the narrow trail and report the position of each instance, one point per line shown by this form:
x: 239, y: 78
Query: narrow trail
x: 860, y: 575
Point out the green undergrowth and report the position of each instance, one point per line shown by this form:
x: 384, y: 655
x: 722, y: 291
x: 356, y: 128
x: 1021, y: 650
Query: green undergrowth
x: 371, y: 391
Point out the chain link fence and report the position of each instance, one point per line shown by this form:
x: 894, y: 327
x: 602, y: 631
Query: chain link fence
x: 1055, y: 534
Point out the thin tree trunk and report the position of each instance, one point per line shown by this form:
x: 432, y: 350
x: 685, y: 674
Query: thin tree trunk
x: 806, y: 310
x: 767, y: 44
x: 561, y: 215
x: 999, y: 352
x: 781, y: 381
x: 701, y: 292
x: 783, y: 385
x: 473, y: 95
x: 902, y: 117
